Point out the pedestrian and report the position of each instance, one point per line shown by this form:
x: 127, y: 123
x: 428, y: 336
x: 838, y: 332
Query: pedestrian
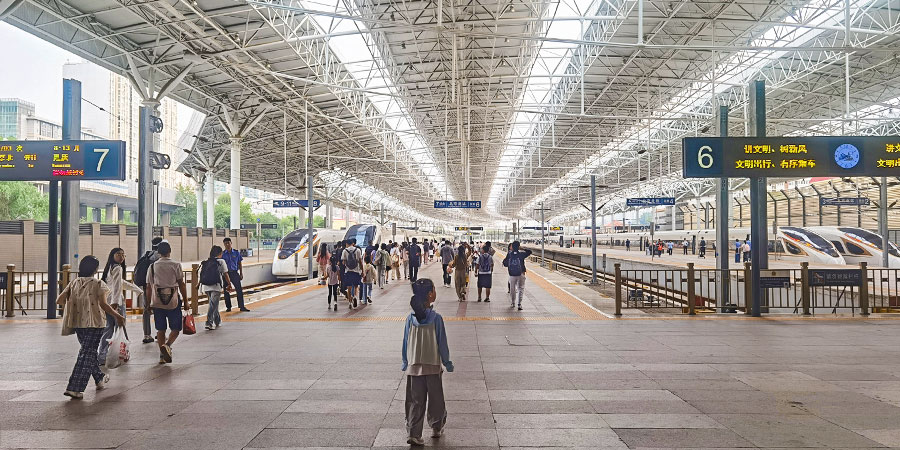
x: 669, y: 247
x: 684, y: 246
x: 460, y: 268
x: 702, y: 248
x: 113, y: 276
x: 214, y: 280
x: 368, y: 280
x: 746, y: 250
x: 415, y: 260
x: 353, y: 261
x: 322, y: 258
x: 166, y: 281
x: 404, y: 258
x: 383, y: 264
x: 395, y: 260
x: 627, y: 245
x: 139, y: 277
x: 84, y: 301
x: 515, y: 265
x: 446, y: 258
x: 737, y: 251
x: 234, y: 260
x: 333, y: 278
x: 485, y: 271
x: 425, y: 349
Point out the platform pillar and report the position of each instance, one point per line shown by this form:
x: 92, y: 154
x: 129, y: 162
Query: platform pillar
x: 70, y: 196
x: 210, y: 200
x: 804, y: 285
x: 723, y: 210
x: 883, y: 221
x: 235, y: 184
x: 198, y: 190
x: 864, y: 290
x: 759, y: 237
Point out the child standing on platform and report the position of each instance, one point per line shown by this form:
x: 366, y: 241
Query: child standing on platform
x: 424, y: 351
x: 333, y: 279
x: 368, y: 280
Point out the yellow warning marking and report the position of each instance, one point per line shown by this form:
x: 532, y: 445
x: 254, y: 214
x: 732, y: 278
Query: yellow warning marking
x: 568, y: 300
x: 277, y: 298
x: 394, y: 319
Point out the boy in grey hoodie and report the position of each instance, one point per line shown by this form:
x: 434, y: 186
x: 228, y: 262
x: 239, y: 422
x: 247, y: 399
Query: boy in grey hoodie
x: 424, y: 350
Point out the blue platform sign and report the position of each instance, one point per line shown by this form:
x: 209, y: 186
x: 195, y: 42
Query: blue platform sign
x: 471, y: 204
x: 294, y: 203
x: 650, y: 201
x: 844, y: 201
x: 62, y: 160
x: 791, y: 157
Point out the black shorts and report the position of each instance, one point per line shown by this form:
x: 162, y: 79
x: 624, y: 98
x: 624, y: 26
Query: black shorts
x: 484, y: 280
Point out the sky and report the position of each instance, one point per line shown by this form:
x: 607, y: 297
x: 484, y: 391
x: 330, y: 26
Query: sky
x: 33, y: 72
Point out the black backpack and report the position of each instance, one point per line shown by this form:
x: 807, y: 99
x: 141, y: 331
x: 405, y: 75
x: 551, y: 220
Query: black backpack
x: 140, y: 269
x: 352, y: 260
x: 209, y: 273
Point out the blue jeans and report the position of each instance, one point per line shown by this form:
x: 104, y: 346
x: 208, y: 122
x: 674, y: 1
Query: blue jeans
x: 365, y: 292
x: 108, y: 333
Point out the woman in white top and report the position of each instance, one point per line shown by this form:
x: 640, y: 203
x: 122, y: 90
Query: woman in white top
x: 114, y: 277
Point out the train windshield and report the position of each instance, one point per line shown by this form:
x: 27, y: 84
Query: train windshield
x: 362, y: 233
x: 810, y: 240
x: 291, y: 243
x: 868, y: 237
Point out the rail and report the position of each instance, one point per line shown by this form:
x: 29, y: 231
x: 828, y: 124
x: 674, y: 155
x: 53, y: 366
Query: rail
x: 692, y: 290
x: 26, y: 291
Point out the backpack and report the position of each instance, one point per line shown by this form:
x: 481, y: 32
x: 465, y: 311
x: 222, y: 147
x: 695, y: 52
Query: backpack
x: 514, y: 264
x: 209, y: 273
x: 164, y: 294
x: 485, y: 263
x: 140, y: 269
x: 352, y: 260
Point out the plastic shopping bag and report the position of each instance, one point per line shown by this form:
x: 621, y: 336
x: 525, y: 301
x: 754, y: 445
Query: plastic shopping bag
x: 188, y: 327
x: 118, y: 349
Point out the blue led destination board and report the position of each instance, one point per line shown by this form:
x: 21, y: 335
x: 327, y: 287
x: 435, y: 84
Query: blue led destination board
x: 294, y: 203
x: 795, y: 157
x: 62, y: 160
x: 472, y: 204
x: 650, y: 201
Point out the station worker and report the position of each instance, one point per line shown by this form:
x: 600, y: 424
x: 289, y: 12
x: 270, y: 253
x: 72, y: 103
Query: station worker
x: 234, y: 261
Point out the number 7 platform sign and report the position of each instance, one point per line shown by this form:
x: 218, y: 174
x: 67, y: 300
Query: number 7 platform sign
x: 62, y: 160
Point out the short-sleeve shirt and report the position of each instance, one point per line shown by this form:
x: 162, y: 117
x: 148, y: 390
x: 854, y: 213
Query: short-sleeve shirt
x: 415, y: 252
x: 164, y: 273
x: 218, y: 287
x: 357, y: 253
x: 232, y: 259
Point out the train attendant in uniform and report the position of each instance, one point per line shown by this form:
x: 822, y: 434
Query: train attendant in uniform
x: 234, y: 261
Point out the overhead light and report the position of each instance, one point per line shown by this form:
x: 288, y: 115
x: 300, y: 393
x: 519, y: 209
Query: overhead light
x: 392, y: 16
x: 192, y: 58
x: 403, y: 45
x: 642, y: 151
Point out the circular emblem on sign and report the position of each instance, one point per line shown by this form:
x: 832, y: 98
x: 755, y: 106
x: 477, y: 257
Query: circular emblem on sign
x: 846, y: 156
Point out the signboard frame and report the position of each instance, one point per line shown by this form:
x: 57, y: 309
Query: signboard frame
x: 844, y: 201
x: 465, y: 204
x: 295, y: 203
x: 835, y: 277
x: 62, y: 160
x: 650, y: 201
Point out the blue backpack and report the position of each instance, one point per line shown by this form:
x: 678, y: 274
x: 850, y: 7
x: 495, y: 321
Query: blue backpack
x: 515, y: 265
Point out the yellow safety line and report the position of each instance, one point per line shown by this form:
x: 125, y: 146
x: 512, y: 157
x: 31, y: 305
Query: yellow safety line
x: 568, y: 300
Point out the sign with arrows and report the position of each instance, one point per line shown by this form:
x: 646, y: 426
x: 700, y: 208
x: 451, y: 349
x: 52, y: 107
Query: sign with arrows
x: 294, y: 203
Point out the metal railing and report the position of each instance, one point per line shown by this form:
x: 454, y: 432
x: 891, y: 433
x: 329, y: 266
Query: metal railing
x: 692, y: 290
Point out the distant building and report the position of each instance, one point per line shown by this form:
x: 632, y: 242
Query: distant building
x: 37, y: 129
x: 13, y: 115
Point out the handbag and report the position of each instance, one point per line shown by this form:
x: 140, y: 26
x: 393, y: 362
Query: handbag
x: 188, y: 326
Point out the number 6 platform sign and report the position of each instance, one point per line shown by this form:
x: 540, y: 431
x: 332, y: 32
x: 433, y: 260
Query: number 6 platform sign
x: 62, y: 160
x: 798, y: 157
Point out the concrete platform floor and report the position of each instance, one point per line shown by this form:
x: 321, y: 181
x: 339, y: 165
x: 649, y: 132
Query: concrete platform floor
x: 290, y: 374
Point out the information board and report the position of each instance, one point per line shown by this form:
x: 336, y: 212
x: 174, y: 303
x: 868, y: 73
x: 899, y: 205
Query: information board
x: 844, y: 201
x: 650, y: 201
x: 796, y: 157
x: 471, y: 204
x: 835, y: 277
x: 294, y: 203
x: 262, y: 226
x: 62, y: 160
x: 469, y: 228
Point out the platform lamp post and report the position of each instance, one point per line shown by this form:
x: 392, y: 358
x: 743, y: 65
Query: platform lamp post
x: 593, y: 229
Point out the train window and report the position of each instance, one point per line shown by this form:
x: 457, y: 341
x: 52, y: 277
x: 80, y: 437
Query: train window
x: 793, y: 249
x: 839, y: 246
x: 771, y: 246
x: 854, y: 249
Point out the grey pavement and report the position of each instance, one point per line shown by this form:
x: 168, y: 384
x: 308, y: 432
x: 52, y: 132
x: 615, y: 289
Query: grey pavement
x: 291, y: 374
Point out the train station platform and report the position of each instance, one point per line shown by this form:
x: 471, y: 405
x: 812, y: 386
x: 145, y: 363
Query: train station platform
x: 560, y: 374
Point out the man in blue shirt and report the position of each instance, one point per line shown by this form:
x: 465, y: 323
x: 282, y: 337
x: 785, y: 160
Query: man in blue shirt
x: 415, y: 260
x: 233, y: 260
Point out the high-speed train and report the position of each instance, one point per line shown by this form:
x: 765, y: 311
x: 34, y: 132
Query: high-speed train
x: 790, y: 242
x: 290, y: 259
x: 857, y: 245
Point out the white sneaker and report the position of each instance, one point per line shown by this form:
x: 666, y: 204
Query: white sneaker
x: 79, y: 396
x: 415, y: 441
x: 102, y: 383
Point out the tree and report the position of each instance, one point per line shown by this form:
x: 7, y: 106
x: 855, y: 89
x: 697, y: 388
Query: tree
x: 223, y: 212
x: 20, y: 200
x: 185, y: 216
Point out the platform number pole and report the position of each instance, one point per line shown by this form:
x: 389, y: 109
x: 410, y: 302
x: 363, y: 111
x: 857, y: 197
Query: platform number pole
x: 593, y: 229
x: 309, y: 226
x: 759, y: 258
x: 723, y: 287
x: 71, y: 190
x: 542, y: 209
x: 883, y: 221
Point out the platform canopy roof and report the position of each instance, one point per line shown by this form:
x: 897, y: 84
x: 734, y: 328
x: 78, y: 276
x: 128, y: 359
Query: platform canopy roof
x: 514, y: 103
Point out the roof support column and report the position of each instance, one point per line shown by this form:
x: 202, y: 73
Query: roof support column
x: 210, y: 200
x: 199, y: 191
x: 235, y: 185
